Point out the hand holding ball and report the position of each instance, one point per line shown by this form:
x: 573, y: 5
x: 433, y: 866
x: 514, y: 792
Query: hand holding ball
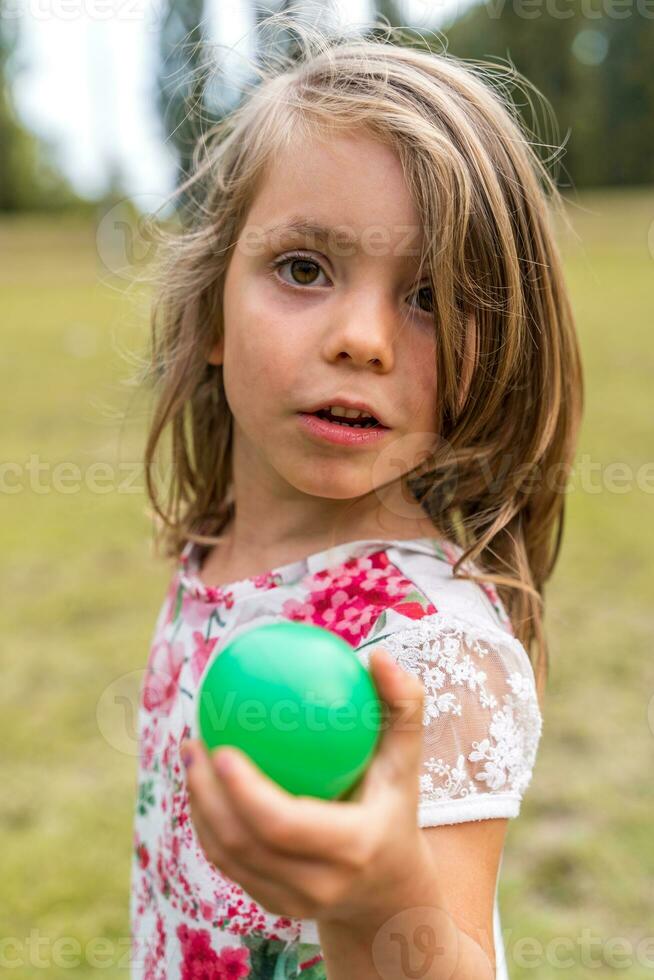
x: 298, y: 701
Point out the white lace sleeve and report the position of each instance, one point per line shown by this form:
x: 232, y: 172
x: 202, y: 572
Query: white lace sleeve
x: 482, y: 722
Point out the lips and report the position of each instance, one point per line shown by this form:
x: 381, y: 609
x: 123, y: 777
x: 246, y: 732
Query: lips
x: 347, y: 403
x: 355, y: 437
x: 365, y: 423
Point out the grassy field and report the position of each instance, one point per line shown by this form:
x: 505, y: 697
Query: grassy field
x: 81, y: 591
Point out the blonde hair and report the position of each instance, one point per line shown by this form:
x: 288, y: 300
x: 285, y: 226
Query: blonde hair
x: 487, y: 201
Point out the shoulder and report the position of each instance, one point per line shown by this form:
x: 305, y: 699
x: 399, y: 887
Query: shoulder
x: 453, y: 622
x: 481, y: 717
x: 427, y: 563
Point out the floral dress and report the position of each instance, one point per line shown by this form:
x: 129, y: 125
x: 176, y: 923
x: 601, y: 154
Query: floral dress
x: 481, y: 721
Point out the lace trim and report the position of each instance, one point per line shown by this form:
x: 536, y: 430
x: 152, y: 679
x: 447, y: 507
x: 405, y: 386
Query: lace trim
x: 447, y: 652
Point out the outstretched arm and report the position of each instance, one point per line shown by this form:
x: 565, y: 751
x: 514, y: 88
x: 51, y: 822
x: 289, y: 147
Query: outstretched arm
x: 361, y: 868
x: 442, y: 927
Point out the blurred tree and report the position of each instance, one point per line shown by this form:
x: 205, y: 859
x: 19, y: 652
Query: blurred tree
x: 29, y: 180
x: 388, y: 9
x: 194, y: 91
x: 626, y: 102
x: 593, y: 68
x: 284, y: 38
x: 181, y: 80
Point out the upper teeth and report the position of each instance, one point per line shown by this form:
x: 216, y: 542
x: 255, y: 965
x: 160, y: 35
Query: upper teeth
x: 348, y: 413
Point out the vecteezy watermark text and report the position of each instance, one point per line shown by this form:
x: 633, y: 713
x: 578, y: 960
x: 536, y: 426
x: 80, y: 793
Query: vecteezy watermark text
x: 42, y: 476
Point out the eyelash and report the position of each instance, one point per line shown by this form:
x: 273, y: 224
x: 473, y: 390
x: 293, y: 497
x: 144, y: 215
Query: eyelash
x: 290, y: 256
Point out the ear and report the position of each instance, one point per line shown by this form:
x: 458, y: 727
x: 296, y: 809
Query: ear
x: 469, y: 357
x: 215, y: 356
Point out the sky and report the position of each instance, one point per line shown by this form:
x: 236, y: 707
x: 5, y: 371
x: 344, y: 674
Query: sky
x: 85, y: 73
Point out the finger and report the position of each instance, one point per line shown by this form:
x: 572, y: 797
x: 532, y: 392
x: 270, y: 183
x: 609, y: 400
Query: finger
x: 399, y: 753
x: 207, y: 816
x: 300, y: 826
x: 222, y: 827
x: 263, y: 874
x: 278, y: 898
x: 208, y: 801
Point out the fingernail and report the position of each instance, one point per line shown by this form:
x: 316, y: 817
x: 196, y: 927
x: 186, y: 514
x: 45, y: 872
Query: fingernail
x: 386, y: 658
x: 224, y: 763
x: 187, y: 756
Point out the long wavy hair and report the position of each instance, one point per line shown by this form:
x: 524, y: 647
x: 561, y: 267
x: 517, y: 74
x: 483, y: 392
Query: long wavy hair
x: 509, y: 405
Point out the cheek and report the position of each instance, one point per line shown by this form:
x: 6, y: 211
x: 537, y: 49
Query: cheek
x: 260, y: 347
x: 421, y: 368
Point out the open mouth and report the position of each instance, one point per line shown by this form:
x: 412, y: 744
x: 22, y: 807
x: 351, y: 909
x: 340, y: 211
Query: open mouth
x: 360, y: 423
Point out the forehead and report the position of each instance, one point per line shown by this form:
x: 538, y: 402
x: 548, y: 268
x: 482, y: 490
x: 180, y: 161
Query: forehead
x: 346, y: 191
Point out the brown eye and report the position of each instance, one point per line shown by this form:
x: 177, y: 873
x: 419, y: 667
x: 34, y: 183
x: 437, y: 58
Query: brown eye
x: 301, y: 270
x: 425, y: 296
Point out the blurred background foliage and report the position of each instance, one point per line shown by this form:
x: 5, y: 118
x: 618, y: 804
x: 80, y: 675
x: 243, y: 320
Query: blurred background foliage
x: 592, y: 64
x: 29, y: 180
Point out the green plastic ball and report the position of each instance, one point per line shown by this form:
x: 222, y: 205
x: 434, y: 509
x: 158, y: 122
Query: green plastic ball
x: 298, y: 701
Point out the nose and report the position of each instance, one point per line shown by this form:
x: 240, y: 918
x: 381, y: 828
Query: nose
x: 364, y: 332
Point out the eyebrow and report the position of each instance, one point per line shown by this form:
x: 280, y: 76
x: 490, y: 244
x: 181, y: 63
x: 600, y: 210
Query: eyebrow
x: 308, y: 227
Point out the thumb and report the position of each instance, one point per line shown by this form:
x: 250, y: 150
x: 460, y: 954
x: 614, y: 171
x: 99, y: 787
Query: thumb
x: 400, y: 749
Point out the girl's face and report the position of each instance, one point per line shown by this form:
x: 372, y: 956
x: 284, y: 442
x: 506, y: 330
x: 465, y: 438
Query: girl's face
x: 343, y: 321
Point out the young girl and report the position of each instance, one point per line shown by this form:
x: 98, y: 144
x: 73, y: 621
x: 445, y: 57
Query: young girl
x: 372, y: 236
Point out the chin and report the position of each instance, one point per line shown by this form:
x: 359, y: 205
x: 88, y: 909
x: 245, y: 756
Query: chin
x: 330, y: 480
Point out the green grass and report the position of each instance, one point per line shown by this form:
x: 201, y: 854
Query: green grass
x: 82, y: 590
x: 581, y: 857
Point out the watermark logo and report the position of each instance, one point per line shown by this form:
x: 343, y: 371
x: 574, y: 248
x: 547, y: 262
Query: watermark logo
x: 126, y: 239
x: 416, y: 944
x: 116, y: 712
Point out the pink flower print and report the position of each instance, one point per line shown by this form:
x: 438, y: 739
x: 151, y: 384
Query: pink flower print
x: 150, y: 739
x: 299, y: 612
x: 348, y: 599
x: 143, y: 855
x: 171, y: 600
x: 202, y: 962
x: 217, y: 595
x: 147, y: 756
x: 451, y: 553
x: 267, y: 580
x: 489, y: 589
x: 414, y: 610
x: 234, y: 962
x: 283, y: 923
x: 154, y: 965
x: 206, y: 910
x: 162, y: 673
x: 311, y: 962
x: 200, y: 654
x: 196, y: 612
